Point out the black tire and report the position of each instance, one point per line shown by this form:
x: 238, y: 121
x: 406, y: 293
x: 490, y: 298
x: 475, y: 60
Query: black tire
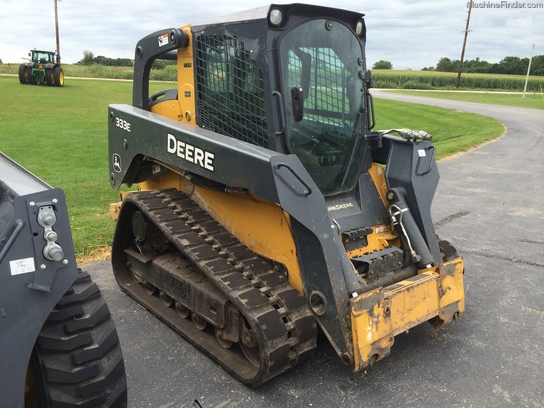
x: 77, y: 360
x: 23, y: 74
x: 447, y: 250
x: 58, y: 76
x: 50, y: 77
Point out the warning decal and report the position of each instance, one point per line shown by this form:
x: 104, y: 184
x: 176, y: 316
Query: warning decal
x: 20, y: 266
x: 163, y: 40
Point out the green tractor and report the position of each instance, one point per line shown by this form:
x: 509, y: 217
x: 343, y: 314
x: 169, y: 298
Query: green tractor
x: 43, y: 68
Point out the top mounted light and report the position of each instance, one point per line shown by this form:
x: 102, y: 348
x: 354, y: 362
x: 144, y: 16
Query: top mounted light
x: 359, y: 28
x: 276, y: 17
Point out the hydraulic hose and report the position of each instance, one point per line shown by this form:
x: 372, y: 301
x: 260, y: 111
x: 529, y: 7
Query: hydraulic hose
x: 405, y: 224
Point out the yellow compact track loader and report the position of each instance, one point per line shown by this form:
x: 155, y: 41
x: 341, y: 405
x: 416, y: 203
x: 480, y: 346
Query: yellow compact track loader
x: 267, y: 207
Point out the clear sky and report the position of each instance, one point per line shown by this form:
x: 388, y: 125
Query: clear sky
x: 412, y: 34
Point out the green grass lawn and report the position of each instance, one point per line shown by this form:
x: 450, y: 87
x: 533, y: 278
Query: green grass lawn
x: 452, y: 131
x: 60, y: 134
x: 531, y: 100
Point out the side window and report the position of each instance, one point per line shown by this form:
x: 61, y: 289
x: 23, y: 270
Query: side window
x: 328, y: 95
x: 230, y: 90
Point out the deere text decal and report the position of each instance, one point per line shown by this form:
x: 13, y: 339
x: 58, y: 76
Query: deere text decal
x: 190, y: 153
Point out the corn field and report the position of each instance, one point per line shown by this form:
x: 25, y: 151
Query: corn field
x: 447, y: 80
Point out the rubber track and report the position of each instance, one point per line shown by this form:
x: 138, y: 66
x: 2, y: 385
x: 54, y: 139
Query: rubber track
x: 282, y: 322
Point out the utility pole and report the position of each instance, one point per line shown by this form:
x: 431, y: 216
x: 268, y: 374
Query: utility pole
x: 57, y: 31
x: 528, y: 69
x: 458, y: 84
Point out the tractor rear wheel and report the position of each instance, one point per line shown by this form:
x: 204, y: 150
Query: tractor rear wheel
x: 58, y: 76
x: 77, y: 360
x: 24, y: 73
x: 50, y: 77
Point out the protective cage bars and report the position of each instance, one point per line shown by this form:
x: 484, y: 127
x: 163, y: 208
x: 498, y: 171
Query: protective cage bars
x: 327, y: 81
x: 230, y: 90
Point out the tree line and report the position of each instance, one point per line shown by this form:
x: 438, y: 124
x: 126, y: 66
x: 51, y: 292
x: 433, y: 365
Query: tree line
x: 90, y: 59
x: 508, y: 65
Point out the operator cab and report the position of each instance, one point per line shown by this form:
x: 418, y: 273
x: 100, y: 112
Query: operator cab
x: 297, y: 87
x: 321, y: 62
x: 42, y: 57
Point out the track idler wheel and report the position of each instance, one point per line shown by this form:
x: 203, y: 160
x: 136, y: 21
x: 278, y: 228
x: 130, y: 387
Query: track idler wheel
x: 182, y: 310
x: 226, y: 344
x: 149, y: 288
x: 135, y: 278
x: 199, y: 321
x: 248, y: 344
x: 166, y: 300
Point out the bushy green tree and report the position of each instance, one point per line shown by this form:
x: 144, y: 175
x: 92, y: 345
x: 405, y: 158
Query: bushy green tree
x: 447, y: 65
x: 381, y: 64
x: 537, y: 66
x: 476, y: 66
x: 514, y: 65
x: 88, y: 58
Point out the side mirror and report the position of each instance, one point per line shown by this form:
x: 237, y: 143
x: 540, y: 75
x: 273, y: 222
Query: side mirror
x: 297, y: 102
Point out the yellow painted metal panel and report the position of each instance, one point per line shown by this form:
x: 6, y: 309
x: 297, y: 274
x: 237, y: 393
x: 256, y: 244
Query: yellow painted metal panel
x: 183, y: 108
x: 168, y: 108
x: 377, y: 173
x: 382, y: 235
x: 186, y: 78
x: 379, y: 315
x: 452, y: 291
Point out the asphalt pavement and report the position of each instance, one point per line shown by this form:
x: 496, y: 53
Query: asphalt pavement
x: 489, y: 204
